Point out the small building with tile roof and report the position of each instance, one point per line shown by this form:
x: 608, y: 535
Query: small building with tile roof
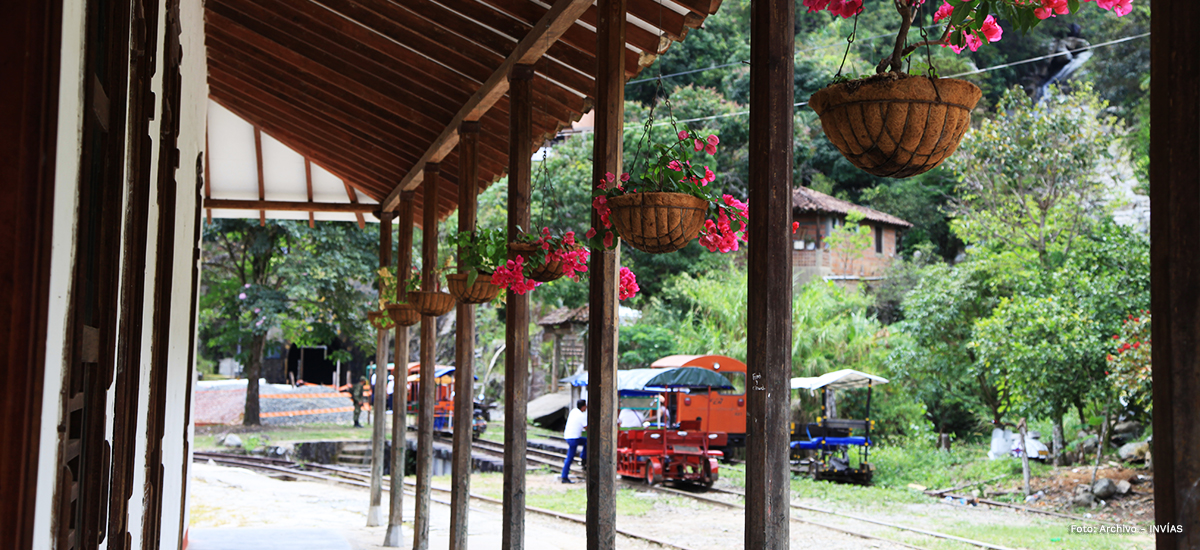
x: 817, y: 215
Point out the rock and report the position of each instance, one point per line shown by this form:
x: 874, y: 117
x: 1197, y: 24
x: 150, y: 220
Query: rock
x: 1088, y: 445
x: 232, y: 440
x: 1083, y: 499
x: 1080, y: 489
x: 1104, y: 488
x: 1126, y: 427
x: 1134, y: 452
x: 1123, y: 487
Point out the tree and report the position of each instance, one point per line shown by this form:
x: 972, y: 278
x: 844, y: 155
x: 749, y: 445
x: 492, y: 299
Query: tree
x: 849, y: 240
x: 1030, y: 177
x: 310, y: 285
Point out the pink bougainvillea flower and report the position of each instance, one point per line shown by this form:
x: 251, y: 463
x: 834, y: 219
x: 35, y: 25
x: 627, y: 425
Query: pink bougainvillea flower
x: 698, y: 145
x: 709, y: 176
x: 943, y: 12
x: 969, y: 39
x: 591, y: 232
x: 815, y: 5
x: 683, y: 135
x: 845, y: 8
x: 712, y: 140
x: 608, y: 239
x: 628, y: 286
x: 991, y: 30
x: 674, y: 165
x: 624, y: 176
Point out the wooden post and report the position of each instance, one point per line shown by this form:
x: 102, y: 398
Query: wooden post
x: 379, y: 388
x: 464, y: 345
x: 555, y: 361
x: 400, y: 394
x: 769, y: 326
x: 516, y: 329
x: 602, y: 293
x: 426, y: 386
x: 1175, y: 276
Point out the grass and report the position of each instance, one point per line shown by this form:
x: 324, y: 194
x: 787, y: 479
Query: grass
x: 269, y: 435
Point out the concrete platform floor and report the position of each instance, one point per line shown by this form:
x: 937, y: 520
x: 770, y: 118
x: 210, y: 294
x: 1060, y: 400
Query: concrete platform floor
x: 258, y: 538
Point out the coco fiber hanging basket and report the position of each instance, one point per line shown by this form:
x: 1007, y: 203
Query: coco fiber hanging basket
x: 895, y: 125
x: 404, y: 315
x: 658, y: 223
x: 481, y: 292
x: 549, y: 271
x: 434, y: 304
x: 379, y: 320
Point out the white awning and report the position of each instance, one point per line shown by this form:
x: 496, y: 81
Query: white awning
x: 844, y: 379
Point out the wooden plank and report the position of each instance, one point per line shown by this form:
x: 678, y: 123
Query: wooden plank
x: 516, y: 326
x: 604, y: 278
x: 379, y: 385
x: 232, y: 39
x: 30, y: 38
x: 258, y: 164
x: 647, y: 41
x: 464, y: 347
x: 661, y: 17
x: 304, y: 92
x: 545, y: 33
x: 362, y: 224
x: 426, y: 397
x: 290, y: 206
x: 395, y: 531
x: 311, y: 221
x: 340, y: 71
x: 769, y: 312
x: 1175, y: 273
x: 207, y: 175
x: 288, y: 25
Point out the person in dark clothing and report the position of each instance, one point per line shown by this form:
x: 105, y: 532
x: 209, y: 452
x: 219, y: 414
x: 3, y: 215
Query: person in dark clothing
x: 356, y: 395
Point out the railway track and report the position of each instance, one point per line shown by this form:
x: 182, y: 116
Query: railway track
x: 346, y: 476
x: 547, y: 458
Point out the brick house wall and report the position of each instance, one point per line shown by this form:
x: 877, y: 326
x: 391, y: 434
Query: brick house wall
x: 811, y: 256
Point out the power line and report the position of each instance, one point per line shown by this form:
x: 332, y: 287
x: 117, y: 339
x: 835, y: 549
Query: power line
x: 747, y: 63
x: 976, y: 71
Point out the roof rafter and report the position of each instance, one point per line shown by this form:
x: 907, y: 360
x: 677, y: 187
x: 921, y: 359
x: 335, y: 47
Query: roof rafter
x: 545, y: 33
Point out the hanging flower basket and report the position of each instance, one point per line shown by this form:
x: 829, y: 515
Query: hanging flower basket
x: 894, y: 125
x: 379, y: 320
x: 434, y: 304
x: 481, y: 292
x: 404, y: 315
x: 658, y: 222
x: 550, y: 270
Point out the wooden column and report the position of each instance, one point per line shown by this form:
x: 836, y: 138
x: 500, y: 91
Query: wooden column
x: 602, y: 294
x: 379, y: 386
x: 425, y: 399
x: 395, y: 531
x: 1175, y: 273
x: 464, y: 345
x: 555, y: 361
x: 516, y: 329
x: 768, y: 481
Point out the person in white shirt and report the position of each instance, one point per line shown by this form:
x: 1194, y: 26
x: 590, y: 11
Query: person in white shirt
x: 576, y: 422
x: 629, y: 418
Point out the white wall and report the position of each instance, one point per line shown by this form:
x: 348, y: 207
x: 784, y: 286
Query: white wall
x: 193, y: 116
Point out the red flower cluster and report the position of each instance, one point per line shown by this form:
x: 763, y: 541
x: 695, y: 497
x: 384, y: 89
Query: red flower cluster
x: 628, y: 286
x: 573, y: 261
x: 719, y: 235
x: 844, y: 8
x: 512, y: 276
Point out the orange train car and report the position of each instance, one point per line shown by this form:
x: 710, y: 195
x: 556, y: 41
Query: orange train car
x: 443, y: 393
x: 718, y: 410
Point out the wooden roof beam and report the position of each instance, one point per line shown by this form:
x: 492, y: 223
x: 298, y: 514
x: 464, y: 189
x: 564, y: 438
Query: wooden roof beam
x: 560, y: 17
x: 262, y: 191
x: 362, y: 224
x: 292, y: 206
x: 308, y: 183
